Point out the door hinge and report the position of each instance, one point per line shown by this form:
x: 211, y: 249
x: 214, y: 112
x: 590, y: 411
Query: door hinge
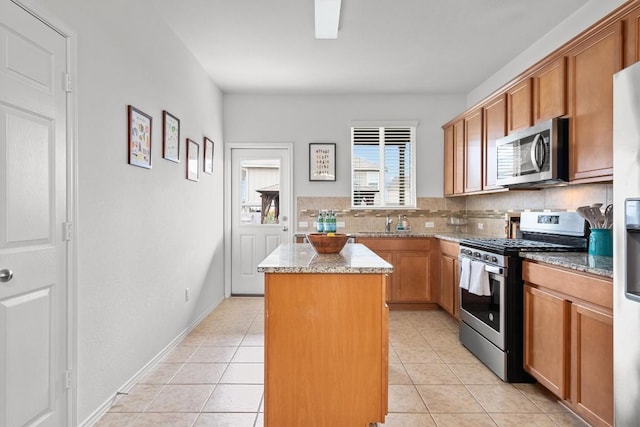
x: 68, y: 83
x: 68, y: 379
x: 67, y: 231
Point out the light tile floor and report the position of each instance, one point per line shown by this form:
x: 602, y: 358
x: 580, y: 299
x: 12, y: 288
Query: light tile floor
x: 214, y: 377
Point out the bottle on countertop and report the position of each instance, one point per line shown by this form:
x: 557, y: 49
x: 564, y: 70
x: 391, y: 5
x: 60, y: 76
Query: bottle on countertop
x: 399, y: 225
x: 330, y: 222
x: 320, y: 222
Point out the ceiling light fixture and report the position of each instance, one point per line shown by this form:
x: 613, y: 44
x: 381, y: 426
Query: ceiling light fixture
x: 327, y: 18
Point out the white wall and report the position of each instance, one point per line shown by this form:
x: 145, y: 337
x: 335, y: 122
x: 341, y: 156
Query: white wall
x: 325, y: 118
x: 144, y: 235
x: 586, y: 16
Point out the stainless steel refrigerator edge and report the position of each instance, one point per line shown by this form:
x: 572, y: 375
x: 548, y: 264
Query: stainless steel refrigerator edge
x: 626, y: 254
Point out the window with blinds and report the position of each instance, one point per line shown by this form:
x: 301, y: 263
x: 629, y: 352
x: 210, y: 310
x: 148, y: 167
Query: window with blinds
x: 383, y: 167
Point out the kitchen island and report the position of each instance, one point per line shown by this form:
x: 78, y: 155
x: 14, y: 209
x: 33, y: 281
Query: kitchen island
x: 326, y: 337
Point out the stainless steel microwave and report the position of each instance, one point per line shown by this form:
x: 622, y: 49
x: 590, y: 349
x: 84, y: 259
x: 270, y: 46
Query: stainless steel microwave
x: 537, y: 156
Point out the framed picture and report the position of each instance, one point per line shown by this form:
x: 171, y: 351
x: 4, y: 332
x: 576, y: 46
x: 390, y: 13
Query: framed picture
x: 139, y: 140
x: 193, y: 156
x: 170, y: 137
x: 322, y: 161
x: 208, y: 155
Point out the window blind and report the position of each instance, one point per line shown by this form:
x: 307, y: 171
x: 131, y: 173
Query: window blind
x: 383, y: 166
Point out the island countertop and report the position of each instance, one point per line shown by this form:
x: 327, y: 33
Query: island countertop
x: 301, y: 258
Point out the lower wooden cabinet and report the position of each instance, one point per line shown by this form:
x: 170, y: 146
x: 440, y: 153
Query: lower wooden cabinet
x: 410, y: 284
x: 448, y: 283
x: 546, y: 331
x: 326, y: 349
x: 592, y: 363
x: 568, y: 334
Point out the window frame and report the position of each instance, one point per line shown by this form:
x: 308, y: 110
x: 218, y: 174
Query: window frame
x: 384, y: 204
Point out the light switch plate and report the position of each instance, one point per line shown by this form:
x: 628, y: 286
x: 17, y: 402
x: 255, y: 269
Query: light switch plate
x: 429, y: 224
x: 303, y: 224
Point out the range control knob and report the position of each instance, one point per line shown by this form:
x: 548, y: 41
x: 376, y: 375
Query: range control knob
x: 485, y: 257
x: 477, y: 254
x: 494, y: 259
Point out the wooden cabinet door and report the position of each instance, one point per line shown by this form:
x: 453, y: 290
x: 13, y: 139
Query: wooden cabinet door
x: 458, y: 161
x: 550, y: 91
x: 390, y: 282
x: 473, y: 152
x: 632, y: 37
x: 592, y: 63
x: 449, y: 158
x: 546, y: 339
x: 495, y: 127
x: 592, y: 363
x: 449, y: 284
x: 519, y: 112
x: 412, y: 280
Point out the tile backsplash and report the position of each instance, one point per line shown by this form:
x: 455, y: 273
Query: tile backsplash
x: 484, y: 214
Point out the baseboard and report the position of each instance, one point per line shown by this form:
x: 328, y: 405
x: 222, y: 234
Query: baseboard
x: 412, y: 306
x: 102, y: 409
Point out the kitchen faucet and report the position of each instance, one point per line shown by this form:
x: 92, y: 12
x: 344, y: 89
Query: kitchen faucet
x: 387, y: 224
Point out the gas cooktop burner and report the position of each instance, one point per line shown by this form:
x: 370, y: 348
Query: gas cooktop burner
x: 516, y: 245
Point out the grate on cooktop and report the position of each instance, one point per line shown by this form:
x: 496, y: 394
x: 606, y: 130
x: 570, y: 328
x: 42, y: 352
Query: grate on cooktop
x: 501, y: 245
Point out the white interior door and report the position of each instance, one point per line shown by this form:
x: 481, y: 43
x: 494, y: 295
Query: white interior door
x: 33, y: 198
x: 260, y: 212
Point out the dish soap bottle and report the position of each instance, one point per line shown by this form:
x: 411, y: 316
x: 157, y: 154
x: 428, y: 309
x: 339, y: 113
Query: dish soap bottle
x: 405, y: 223
x: 399, y: 225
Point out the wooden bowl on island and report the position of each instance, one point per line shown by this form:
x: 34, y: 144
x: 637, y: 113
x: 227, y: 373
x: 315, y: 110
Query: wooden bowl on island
x: 327, y: 243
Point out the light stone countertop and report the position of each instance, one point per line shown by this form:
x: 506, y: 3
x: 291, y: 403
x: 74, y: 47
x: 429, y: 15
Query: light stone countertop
x: 450, y: 236
x: 302, y: 258
x: 579, y: 261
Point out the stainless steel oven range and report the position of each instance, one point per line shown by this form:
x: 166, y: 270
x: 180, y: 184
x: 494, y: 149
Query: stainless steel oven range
x: 491, y: 324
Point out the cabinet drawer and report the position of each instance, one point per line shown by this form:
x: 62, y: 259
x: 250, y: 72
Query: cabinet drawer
x: 396, y: 244
x: 587, y: 287
x: 449, y: 248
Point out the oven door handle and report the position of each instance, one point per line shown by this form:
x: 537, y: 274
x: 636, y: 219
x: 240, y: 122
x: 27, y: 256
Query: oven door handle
x: 493, y: 269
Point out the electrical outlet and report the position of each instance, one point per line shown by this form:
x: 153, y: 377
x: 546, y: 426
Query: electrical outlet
x: 340, y: 224
x: 303, y: 224
x: 480, y: 226
x: 429, y: 224
x: 186, y: 295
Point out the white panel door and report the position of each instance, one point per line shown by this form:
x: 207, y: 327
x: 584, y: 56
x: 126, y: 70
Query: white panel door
x: 33, y: 282
x: 260, y: 212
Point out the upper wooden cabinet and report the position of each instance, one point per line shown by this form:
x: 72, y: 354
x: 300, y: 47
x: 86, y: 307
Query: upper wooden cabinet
x: 448, y: 166
x: 592, y: 63
x: 458, y: 159
x: 473, y: 151
x: 550, y: 90
x: 519, y: 111
x: 495, y: 127
x: 576, y: 82
x: 632, y: 36
x: 454, y: 159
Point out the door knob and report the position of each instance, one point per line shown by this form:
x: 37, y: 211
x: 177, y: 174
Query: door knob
x: 5, y: 275
x: 285, y: 228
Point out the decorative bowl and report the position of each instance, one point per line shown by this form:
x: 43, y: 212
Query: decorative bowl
x: 329, y: 243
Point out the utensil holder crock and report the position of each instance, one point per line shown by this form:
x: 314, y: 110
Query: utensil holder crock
x: 601, y: 242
